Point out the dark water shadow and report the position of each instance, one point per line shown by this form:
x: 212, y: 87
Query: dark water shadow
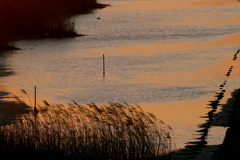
x: 5, y: 69
x: 11, y: 107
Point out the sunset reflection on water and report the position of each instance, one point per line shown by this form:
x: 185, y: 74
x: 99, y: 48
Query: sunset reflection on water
x: 170, y: 57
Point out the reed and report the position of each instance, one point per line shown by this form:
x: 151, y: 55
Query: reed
x: 34, y: 19
x: 114, y: 131
x: 24, y: 19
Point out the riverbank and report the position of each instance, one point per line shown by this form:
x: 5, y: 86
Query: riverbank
x: 228, y: 117
x: 131, y: 62
x: 40, y: 19
x: 6, y: 47
x: 230, y: 148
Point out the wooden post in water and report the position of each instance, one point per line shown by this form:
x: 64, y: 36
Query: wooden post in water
x: 35, y: 111
x: 35, y: 101
x: 35, y: 97
x: 103, y: 66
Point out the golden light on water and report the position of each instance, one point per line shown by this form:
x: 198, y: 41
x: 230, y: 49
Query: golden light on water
x: 176, y: 53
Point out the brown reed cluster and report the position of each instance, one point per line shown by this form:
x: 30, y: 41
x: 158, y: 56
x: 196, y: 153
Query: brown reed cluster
x: 20, y: 19
x: 110, y: 132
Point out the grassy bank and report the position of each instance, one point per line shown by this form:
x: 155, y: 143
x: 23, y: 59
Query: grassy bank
x: 114, y: 131
x: 20, y: 19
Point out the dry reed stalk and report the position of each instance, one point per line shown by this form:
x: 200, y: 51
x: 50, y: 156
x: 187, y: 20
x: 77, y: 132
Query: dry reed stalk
x: 114, y: 131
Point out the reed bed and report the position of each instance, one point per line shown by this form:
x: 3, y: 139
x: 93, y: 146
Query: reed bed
x: 28, y: 19
x: 110, y: 132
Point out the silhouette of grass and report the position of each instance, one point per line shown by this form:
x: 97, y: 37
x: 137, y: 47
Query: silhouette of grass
x: 113, y: 131
x: 24, y: 19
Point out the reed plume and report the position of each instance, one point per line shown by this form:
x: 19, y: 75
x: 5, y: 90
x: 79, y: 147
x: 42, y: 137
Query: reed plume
x: 113, y: 131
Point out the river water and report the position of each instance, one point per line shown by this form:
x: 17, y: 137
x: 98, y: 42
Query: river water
x: 168, y: 56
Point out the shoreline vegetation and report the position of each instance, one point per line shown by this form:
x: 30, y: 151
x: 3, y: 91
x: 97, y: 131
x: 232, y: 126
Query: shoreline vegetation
x: 31, y: 19
x: 113, y: 131
x: 86, y: 132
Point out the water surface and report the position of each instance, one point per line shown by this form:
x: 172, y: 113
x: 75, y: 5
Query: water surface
x: 168, y: 56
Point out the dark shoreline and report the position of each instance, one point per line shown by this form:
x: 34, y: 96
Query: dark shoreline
x: 225, y: 151
x: 41, y: 19
x: 230, y: 148
x: 7, y: 47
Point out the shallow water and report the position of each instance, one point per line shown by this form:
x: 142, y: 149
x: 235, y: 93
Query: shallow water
x: 168, y: 56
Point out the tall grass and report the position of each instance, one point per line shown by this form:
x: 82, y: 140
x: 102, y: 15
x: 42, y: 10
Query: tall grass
x: 21, y: 19
x: 109, y: 132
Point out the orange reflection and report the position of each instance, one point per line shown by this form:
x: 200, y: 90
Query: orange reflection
x: 179, y: 112
x: 174, y: 4
x: 232, y: 39
x: 216, y: 2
